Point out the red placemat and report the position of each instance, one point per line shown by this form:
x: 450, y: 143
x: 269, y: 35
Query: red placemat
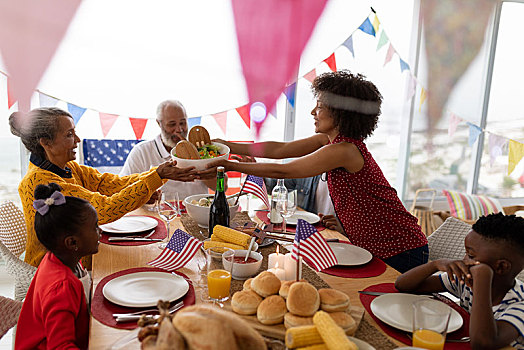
x: 401, y: 335
x: 160, y: 233
x: 375, y: 267
x: 262, y: 215
x: 103, y: 310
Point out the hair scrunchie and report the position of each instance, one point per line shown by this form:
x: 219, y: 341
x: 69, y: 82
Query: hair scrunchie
x: 42, y: 205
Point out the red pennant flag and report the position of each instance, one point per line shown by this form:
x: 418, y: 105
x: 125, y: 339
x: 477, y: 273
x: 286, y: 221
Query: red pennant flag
x: 138, y: 125
x: 311, y: 75
x: 331, y: 62
x: 10, y: 98
x: 221, y: 119
x: 106, y: 122
x: 244, y: 113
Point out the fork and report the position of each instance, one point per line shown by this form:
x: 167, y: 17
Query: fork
x: 138, y: 236
x: 138, y: 313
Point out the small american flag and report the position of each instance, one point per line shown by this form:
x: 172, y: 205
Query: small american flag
x: 178, y: 252
x: 256, y: 186
x: 310, y: 245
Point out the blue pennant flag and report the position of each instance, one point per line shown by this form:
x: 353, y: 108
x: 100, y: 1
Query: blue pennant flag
x: 193, y: 121
x: 76, y: 112
x: 403, y: 65
x: 349, y: 44
x: 290, y: 94
x: 474, y: 132
x: 46, y: 100
x: 367, y: 27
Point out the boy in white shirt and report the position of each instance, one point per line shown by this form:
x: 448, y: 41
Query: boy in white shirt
x: 484, y: 281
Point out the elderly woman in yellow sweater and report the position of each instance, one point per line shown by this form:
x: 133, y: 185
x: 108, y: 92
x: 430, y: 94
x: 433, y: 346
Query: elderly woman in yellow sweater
x: 49, y: 134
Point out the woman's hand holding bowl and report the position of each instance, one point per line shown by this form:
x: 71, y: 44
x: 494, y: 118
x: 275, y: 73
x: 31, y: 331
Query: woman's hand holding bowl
x: 169, y: 170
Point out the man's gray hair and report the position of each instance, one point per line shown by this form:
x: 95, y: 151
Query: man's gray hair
x: 164, y: 104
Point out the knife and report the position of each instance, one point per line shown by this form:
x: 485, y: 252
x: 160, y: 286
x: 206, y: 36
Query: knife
x: 374, y: 293
x: 134, y: 318
x: 141, y: 239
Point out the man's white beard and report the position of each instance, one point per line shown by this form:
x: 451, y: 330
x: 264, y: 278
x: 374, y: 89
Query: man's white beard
x: 167, y: 140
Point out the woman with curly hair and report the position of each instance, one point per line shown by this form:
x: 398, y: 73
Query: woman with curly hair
x: 368, y: 208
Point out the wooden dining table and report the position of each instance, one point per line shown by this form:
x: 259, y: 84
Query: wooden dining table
x: 114, y: 258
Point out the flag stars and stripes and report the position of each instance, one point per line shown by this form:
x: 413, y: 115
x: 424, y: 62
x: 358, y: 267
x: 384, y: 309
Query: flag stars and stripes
x: 256, y: 186
x: 310, y: 245
x: 179, y: 251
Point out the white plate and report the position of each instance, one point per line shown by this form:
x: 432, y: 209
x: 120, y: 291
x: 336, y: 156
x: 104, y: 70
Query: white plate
x: 130, y: 224
x: 143, y: 289
x: 362, y: 345
x: 350, y: 255
x: 396, y: 310
x: 304, y: 215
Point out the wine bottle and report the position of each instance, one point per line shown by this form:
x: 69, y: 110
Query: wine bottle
x: 279, y: 192
x: 219, y: 211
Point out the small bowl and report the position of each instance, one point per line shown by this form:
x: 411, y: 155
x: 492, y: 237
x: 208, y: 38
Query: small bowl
x: 201, y: 164
x: 201, y: 214
x: 242, y: 271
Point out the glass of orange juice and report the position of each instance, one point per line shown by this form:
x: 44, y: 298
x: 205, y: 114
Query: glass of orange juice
x: 430, y: 324
x: 218, y: 276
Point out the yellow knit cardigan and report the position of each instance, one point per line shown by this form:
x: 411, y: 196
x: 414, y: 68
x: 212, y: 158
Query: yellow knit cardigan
x: 111, y: 195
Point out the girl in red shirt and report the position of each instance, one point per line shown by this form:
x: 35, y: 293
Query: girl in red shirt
x: 372, y: 215
x: 55, y: 314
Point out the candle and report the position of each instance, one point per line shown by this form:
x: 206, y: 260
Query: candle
x: 275, y: 259
x: 290, y: 268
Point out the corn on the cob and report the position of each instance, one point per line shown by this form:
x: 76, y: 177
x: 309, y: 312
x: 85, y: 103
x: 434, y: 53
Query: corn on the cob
x: 314, y: 347
x: 334, y: 336
x: 232, y: 236
x: 209, y: 244
x: 216, y: 238
x: 302, y: 336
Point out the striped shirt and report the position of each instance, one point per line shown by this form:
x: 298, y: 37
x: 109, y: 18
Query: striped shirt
x: 511, y: 309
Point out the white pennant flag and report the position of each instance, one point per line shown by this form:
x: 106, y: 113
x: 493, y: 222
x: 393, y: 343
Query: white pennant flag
x: 496, y: 146
x: 454, y: 121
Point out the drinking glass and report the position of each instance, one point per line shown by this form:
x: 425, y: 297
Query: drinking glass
x: 430, y: 324
x: 286, y: 206
x: 218, y: 273
x: 167, y: 209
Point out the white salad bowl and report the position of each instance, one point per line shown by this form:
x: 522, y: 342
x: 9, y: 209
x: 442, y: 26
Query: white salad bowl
x: 201, y: 164
x: 201, y: 214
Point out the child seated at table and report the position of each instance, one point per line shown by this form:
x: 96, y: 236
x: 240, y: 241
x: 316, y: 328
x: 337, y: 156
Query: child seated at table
x: 484, y: 281
x: 55, y: 313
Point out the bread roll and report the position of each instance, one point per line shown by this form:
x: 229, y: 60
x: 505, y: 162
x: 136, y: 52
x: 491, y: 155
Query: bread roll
x: 302, y: 299
x: 247, y: 284
x: 272, y: 310
x: 265, y: 284
x: 292, y: 320
x: 332, y: 300
x: 345, y: 321
x: 284, y: 288
x: 245, y: 302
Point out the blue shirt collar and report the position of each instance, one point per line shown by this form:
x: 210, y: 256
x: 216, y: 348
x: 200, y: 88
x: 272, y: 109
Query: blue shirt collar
x: 44, y: 164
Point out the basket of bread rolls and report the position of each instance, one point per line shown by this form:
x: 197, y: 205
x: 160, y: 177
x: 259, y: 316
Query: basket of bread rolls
x: 198, y: 327
x: 296, y: 304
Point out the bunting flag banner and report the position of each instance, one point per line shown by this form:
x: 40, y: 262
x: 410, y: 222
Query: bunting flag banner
x: 474, y: 132
x: 46, y: 100
x: 221, y: 119
x: 383, y: 40
x: 106, y: 122
x: 376, y: 23
x: 454, y: 32
x: 138, y: 125
x: 423, y: 96
x: 454, y: 121
x: 311, y: 75
x: 403, y: 65
x: 330, y: 61
x: 287, y: 27
x: 516, y: 151
x: 76, y: 112
x: 244, y: 114
x: 412, y: 87
x: 10, y: 98
x: 495, y: 144
x: 193, y: 121
x: 389, y: 54
x: 30, y: 32
x: 290, y: 94
x: 349, y: 44
x: 310, y: 245
x: 367, y: 27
